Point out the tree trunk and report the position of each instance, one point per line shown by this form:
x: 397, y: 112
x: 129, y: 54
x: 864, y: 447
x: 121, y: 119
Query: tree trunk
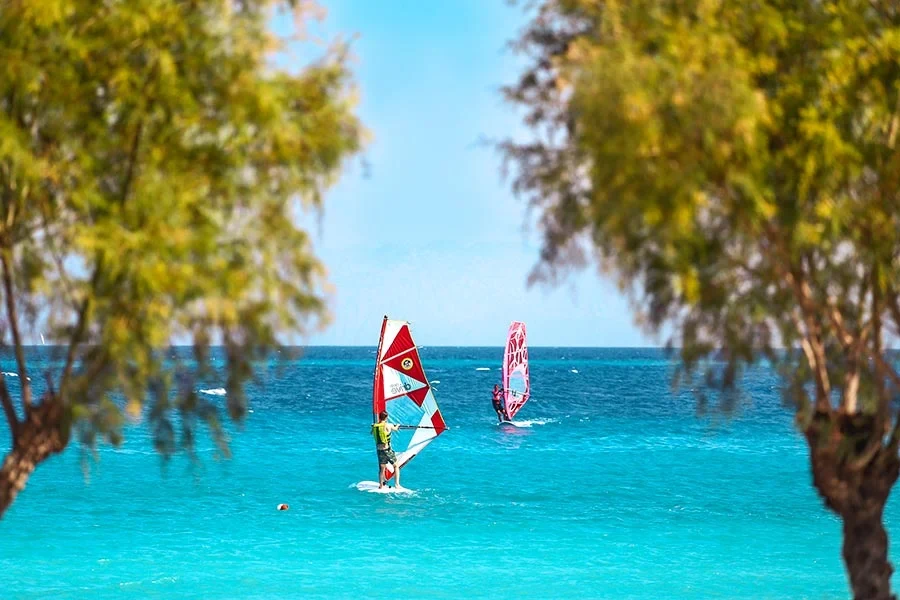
x: 854, y: 472
x: 39, y: 437
x: 866, y: 556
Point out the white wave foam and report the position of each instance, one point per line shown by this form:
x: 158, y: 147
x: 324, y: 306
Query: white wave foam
x: 574, y: 371
x: 532, y: 422
x: 338, y: 450
x: 131, y: 451
x: 435, y: 381
x: 214, y: 392
x: 482, y: 368
x: 11, y: 374
x: 372, y: 488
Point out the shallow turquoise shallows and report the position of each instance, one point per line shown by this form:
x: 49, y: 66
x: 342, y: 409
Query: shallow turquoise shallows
x: 616, y: 490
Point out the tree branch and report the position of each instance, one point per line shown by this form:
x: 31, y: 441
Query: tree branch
x: 850, y: 400
x: 894, y: 308
x: 74, y: 341
x: 864, y: 458
x: 895, y: 125
x: 81, y: 323
x: 803, y: 294
x: 80, y: 326
x: 804, y: 341
x: 853, y: 348
x: 837, y: 320
x: 11, y: 418
x: 895, y: 436
x: 57, y: 259
x: 14, y: 328
x: 878, y: 350
x: 889, y: 370
x: 882, y: 366
x: 813, y: 333
x: 132, y: 162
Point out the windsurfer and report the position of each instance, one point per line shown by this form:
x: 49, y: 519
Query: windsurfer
x: 497, y: 401
x: 382, y: 434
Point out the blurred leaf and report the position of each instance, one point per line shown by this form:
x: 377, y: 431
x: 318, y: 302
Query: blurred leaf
x: 152, y: 162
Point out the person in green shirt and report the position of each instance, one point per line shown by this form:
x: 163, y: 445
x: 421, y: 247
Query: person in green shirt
x: 381, y: 431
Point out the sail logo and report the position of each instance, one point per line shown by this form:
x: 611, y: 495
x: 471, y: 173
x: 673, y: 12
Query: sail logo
x: 406, y: 364
x: 397, y: 389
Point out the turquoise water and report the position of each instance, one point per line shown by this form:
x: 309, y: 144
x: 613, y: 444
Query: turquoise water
x: 617, y: 490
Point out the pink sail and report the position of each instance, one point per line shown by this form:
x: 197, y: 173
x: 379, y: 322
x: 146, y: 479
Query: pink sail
x: 516, y: 382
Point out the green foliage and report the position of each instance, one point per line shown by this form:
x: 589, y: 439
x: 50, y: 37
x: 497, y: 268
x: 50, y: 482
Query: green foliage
x: 152, y: 161
x: 735, y: 165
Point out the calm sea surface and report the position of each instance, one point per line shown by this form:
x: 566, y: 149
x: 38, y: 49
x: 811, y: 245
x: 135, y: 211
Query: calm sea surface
x: 615, y: 490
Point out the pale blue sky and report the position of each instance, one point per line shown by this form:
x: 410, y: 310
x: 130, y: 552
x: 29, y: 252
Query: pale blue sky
x: 433, y: 235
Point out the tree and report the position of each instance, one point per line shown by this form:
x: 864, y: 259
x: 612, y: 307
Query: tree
x: 734, y: 165
x: 152, y: 160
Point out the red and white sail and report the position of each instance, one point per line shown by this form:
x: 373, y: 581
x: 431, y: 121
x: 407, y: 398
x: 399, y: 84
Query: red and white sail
x: 401, y: 387
x: 516, y: 382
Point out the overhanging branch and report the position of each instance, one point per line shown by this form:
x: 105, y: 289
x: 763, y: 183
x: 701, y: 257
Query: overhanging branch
x: 894, y: 308
x: 884, y: 409
x: 895, y: 436
x: 812, y: 332
x: 80, y: 327
x: 889, y: 370
x: 13, y: 318
x: 11, y: 418
x: 74, y: 342
x: 813, y: 338
x: 81, y: 322
x: 853, y: 348
x: 50, y: 242
x: 865, y: 457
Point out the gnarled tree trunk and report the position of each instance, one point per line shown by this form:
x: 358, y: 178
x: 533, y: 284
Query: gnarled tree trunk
x: 865, y: 554
x: 40, y: 436
x: 854, y: 471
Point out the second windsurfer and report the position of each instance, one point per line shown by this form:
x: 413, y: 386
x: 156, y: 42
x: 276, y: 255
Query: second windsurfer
x: 497, y: 401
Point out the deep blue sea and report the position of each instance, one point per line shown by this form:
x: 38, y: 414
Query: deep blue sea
x: 617, y: 490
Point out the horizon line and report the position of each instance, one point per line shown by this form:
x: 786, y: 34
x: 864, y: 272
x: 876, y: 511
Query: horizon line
x: 375, y: 346
x: 292, y: 346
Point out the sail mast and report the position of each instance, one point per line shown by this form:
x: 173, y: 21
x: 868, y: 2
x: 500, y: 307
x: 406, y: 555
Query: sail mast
x: 377, y: 388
